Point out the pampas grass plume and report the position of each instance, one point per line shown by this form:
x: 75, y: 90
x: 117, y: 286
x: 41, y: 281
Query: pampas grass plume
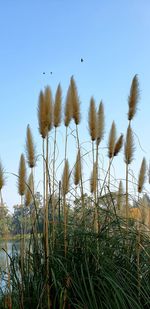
x: 133, y: 98
x: 42, y: 117
x: 142, y: 176
x: 22, y: 176
x: 30, y: 148
x: 65, y: 179
x: 129, y: 146
x: 29, y: 191
x: 118, y: 145
x: 57, y: 107
x: 77, y: 174
x: 93, y: 180
x: 112, y: 140
x: 68, y: 109
x: 92, y: 120
x: 100, y: 123
x: 75, y: 101
x: 49, y: 107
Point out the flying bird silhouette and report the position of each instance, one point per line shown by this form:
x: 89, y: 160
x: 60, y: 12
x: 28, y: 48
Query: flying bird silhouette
x: 81, y: 59
x: 43, y: 73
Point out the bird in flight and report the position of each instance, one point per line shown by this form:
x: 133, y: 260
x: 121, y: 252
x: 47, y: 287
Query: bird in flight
x: 81, y: 59
x: 50, y: 73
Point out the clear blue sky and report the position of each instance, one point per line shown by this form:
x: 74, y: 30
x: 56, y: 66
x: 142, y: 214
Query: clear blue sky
x: 112, y: 36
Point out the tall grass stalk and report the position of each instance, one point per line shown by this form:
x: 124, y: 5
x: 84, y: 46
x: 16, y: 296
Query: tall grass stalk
x: 100, y: 123
x: 128, y: 153
x: 57, y: 121
x: 111, y: 147
x: 93, y: 185
x: 65, y: 189
x: 31, y: 159
x: 43, y: 130
x: 21, y: 191
x: 77, y: 118
x: 49, y: 123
